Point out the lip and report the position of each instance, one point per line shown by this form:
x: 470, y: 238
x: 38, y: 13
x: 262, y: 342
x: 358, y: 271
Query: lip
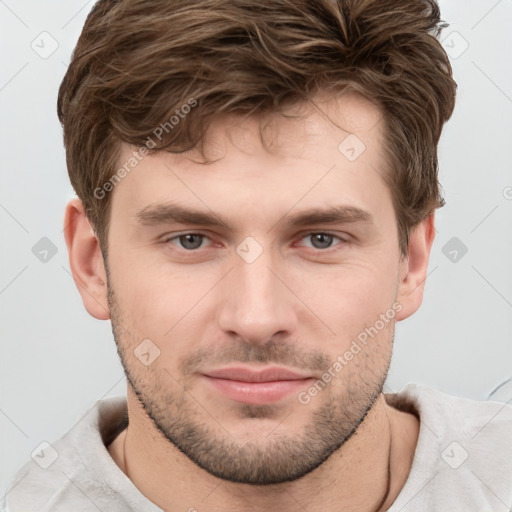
x: 262, y: 386
x: 269, y: 374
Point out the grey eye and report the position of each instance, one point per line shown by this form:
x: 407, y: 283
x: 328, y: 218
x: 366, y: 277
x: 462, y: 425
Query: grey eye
x: 191, y: 241
x: 321, y: 240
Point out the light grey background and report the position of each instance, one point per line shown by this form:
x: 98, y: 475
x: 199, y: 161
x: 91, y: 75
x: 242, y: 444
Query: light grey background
x: 55, y: 360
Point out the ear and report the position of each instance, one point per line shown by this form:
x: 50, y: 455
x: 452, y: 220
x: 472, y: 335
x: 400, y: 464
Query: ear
x: 413, y: 268
x: 86, y: 260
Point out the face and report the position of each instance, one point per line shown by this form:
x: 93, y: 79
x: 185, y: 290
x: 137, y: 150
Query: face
x: 253, y: 299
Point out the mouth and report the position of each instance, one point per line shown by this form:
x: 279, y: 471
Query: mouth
x: 259, y: 387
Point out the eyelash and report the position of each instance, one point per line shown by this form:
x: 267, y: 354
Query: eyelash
x: 205, y: 236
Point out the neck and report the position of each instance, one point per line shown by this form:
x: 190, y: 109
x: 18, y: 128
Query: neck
x: 365, y: 474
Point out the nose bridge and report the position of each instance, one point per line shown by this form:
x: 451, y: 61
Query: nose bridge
x: 257, y: 304
x: 258, y: 287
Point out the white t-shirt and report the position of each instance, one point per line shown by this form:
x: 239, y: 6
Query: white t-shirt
x: 462, y: 462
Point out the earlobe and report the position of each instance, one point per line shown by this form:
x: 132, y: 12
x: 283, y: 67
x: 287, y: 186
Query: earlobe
x: 414, y: 267
x: 86, y: 260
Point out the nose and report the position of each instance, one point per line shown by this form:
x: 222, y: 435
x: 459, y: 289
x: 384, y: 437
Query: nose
x: 257, y: 304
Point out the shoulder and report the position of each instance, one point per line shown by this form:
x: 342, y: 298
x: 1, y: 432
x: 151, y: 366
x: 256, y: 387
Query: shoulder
x: 463, y: 458
x: 67, y: 474
x: 449, y: 413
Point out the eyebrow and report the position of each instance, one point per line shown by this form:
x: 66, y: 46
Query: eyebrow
x: 171, y: 213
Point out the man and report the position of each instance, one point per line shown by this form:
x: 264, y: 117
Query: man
x: 256, y: 193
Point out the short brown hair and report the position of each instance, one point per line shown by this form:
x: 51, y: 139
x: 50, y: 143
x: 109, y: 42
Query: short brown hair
x: 138, y: 61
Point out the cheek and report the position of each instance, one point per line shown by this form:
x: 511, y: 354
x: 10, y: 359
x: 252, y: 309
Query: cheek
x: 159, y: 303
x: 351, y: 303
x: 349, y: 295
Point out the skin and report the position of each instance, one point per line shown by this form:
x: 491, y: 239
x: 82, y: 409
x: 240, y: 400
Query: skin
x: 299, y: 305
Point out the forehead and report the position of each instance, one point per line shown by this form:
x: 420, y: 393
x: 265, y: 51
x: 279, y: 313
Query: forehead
x: 299, y: 129
x: 331, y: 151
